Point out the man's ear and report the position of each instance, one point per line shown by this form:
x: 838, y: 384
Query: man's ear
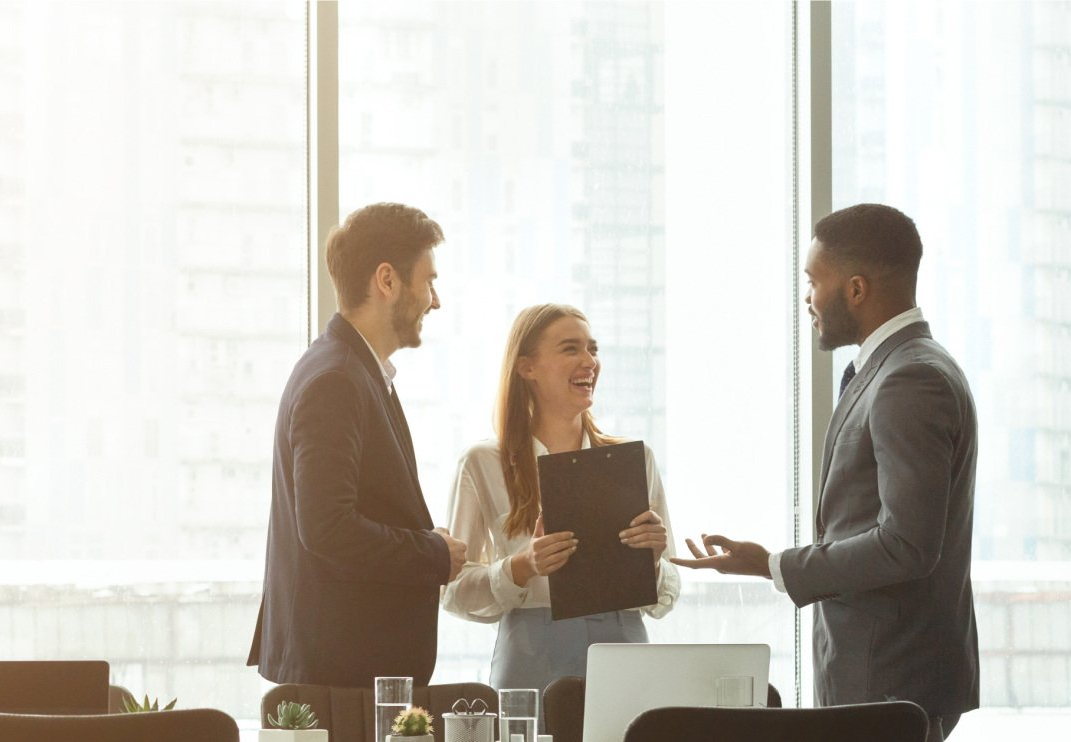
x: 858, y: 290
x: 385, y: 280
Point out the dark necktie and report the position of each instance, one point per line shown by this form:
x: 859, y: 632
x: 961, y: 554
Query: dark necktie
x: 849, y: 374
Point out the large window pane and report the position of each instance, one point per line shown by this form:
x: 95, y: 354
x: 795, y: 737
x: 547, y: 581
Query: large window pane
x: 593, y: 153
x: 152, y: 300
x: 958, y: 114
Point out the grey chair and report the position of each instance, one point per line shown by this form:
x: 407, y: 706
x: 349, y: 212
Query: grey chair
x: 349, y: 713
x: 893, y: 721
x: 202, y: 725
x: 563, y: 707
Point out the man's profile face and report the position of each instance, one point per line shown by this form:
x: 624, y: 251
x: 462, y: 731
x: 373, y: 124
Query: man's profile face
x: 418, y: 297
x: 827, y: 286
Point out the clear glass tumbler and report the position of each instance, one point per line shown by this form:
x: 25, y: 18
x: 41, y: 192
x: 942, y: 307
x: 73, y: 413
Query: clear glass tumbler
x: 393, y: 696
x: 518, y: 711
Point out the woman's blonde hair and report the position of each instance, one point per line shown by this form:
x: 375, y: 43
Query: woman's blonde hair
x: 515, y: 409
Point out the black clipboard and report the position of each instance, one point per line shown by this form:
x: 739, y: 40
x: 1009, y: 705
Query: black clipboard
x: 595, y: 493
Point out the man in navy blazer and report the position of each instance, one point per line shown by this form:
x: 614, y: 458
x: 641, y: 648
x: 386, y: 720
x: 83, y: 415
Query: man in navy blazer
x: 354, y: 563
x: 890, y: 572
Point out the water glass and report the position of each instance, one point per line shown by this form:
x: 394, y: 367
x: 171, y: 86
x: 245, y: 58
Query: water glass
x: 518, y: 711
x: 393, y: 696
x: 734, y: 690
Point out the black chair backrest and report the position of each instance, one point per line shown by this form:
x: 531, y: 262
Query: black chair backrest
x: 894, y: 721
x: 185, y: 725
x: 54, y: 687
x: 563, y: 707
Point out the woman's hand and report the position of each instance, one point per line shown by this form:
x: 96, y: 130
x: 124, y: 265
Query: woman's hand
x: 646, y: 531
x: 543, y: 555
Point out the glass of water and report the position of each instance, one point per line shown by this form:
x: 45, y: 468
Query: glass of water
x: 393, y: 696
x: 518, y: 710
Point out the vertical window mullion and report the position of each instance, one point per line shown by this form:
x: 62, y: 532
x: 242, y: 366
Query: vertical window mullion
x: 322, y: 157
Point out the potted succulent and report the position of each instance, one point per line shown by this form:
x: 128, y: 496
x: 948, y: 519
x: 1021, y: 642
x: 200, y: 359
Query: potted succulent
x: 294, y: 722
x: 131, y: 706
x: 412, y: 725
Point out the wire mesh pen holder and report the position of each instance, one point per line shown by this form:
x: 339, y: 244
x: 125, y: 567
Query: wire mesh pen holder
x: 470, y: 721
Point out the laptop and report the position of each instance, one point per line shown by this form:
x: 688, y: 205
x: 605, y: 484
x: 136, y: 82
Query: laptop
x: 624, y: 680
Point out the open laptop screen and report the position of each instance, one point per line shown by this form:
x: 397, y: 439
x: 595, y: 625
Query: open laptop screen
x: 624, y: 680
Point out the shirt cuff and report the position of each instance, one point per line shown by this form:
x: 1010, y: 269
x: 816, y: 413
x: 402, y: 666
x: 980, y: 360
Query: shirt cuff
x: 507, y: 593
x: 668, y: 585
x: 775, y: 572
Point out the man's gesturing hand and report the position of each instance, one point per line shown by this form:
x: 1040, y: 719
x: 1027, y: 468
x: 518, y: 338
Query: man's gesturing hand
x: 735, y: 558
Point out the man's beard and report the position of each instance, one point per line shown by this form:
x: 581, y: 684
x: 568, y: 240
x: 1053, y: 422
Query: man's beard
x: 838, y: 326
x: 405, y: 320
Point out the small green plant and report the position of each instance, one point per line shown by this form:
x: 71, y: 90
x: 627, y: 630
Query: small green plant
x: 294, y: 715
x: 412, y: 722
x: 131, y: 706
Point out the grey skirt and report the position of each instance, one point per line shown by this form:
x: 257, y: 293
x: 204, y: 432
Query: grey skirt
x: 532, y: 650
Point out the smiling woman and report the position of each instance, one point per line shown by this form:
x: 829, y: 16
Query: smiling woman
x: 561, y: 371
x: 549, y: 374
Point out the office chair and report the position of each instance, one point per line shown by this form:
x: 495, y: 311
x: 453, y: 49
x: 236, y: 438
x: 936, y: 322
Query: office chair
x: 202, y: 725
x: 563, y: 708
x: 349, y: 713
x: 54, y: 686
x: 893, y: 721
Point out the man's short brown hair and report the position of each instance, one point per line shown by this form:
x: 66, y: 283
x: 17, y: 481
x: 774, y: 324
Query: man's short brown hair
x: 378, y: 233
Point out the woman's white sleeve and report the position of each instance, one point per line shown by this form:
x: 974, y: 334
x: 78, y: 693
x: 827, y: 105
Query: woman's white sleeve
x: 484, y: 589
x: 669, y: 579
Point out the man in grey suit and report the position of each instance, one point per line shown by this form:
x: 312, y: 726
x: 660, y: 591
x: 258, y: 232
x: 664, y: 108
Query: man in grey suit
x: 890, y: 572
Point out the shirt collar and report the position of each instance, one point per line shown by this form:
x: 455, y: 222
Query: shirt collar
x: 541, y: 450
x: 883, y: 333
x: 385, y: 367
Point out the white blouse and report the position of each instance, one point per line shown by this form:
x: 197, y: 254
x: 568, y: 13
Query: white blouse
x: 479, y: 506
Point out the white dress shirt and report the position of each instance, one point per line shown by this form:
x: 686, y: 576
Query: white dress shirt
x: 479, y: 506
x: 870, y: 344
x: 385, y: 367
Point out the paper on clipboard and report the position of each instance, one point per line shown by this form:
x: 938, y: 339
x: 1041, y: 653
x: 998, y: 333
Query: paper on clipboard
x: 595, y: 493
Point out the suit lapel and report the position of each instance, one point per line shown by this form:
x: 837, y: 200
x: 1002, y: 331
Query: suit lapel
x: 852, y: 395
x: 389, y: 400
x: 401, y: 431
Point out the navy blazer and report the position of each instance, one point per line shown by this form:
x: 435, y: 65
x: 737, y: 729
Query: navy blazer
x: 891, y: 572
x: 351, y: 583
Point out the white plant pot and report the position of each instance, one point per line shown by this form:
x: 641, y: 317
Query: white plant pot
x: 410, y: 738
x: 293, y: 735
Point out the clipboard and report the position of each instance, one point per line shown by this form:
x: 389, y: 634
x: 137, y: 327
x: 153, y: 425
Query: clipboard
x: 595, y: 493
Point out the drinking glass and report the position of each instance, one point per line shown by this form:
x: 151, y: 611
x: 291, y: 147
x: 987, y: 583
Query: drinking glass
x: 734, y: 690
x: 393, y: 696
x: 518, y: 710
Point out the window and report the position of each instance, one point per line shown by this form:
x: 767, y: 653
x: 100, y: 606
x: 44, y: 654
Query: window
x: 631, y: 158
x: 950, y: 112
x: 152, y: 300
x: 574, y: 152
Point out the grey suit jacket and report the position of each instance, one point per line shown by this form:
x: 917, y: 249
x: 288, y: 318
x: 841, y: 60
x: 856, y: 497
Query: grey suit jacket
x: 891, y: 569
